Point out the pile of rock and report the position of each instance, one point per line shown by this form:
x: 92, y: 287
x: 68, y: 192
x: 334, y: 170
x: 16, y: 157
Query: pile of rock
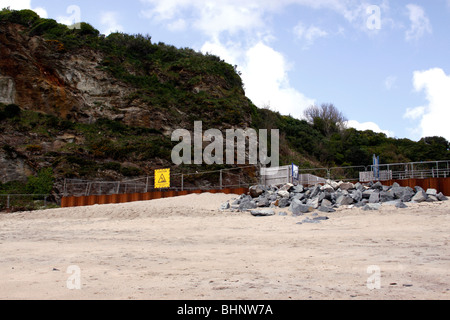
x: 327, y: 197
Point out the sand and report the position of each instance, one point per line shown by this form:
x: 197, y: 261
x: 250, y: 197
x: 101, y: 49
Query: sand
x: 185, y: 248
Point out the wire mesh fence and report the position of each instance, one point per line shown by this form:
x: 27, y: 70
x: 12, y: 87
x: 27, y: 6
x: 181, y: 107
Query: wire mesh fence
x: 26, y: 202
x: 251, y: 175
x: 411, y: 170
x: 206, y: 180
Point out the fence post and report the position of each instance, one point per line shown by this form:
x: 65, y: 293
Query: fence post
x: 220, y: 179
x: 182, y: 182
x: 7, y: 202
x: 146, y: 185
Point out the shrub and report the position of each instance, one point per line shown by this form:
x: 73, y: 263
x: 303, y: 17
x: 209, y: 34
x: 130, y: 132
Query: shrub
x: 42, y: 183
x: 24, y: 17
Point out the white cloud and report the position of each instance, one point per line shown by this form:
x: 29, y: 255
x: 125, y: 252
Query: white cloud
x: 389, y: 82
x: 434, y: 116
x: 23, y: 4
x: 177, y: 25
x: 110, y: 22
x: 368, y: 126
x: 265, y: 76
x: 232, y: 16
x: 414, y: 113
x: 420, y: 24
x: 309, y: 35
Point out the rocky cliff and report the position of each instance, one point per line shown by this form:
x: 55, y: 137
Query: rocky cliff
x: 139, y: 94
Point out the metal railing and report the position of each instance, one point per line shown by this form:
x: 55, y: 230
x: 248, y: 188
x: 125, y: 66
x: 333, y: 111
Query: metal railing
x: 26, y: 202
x: 250, y: 175
x: 411, y: 170
x: 215, y: 179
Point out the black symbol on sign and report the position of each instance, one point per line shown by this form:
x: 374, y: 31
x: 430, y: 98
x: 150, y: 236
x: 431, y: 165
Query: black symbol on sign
x: 162, y: 179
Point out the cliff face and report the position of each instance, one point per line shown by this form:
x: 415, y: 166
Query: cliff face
x: 76, y: 87
x: 37, y: 75
x: 40, y: 75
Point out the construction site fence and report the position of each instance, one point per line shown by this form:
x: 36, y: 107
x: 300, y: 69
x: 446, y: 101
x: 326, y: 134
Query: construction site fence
x: 26, y: 202
x: 205, y: 180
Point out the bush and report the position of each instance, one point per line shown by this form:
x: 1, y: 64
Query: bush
x: 42, y: 183
x: 24, y: 17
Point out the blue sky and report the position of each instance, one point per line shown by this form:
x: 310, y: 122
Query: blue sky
x: 384, y: 63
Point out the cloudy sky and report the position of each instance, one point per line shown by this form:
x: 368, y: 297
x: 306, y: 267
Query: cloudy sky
x: 383, y: 63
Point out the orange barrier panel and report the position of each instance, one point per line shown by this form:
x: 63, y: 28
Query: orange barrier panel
x: 183, y: 193
x: 444, y: 186
x: 157, y: 194
x: 114, y: 198
x: 134, y: 197
x: 80, y: 201
x: 239, y: 191
x: 147, y: 196
x: 168, y: 194
x: 102, y: 199
x: 68, y: 202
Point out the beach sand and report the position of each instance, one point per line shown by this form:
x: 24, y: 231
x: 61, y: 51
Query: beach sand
x: 185, y: 248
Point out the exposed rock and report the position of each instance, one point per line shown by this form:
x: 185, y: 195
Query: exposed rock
x: 283, y: 193
x: 262, y: 213
x: 372, y: 206
x: 420, y: 196
x: 344, y: 200
x: 441, y: 197
x: 401, y: 205
x: 256, y: 191
x: 321, y: 199
x: 347, y: 186
x: 357, y: 195
x: 326, y: 209
x: 297, y: 207
x: 298, y: 189
x: 326, y: 203
x: 314, y: 202
x: 283, y: 203
x: 327, y: 188
x: 247, y: 205
x: 374, y: 197
x: 386, y: 196
x: 225, y: 206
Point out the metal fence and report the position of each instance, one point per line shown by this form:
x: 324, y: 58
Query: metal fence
x: 26, y: 202
x: 411, y: 170
x: 215, y: 179
x: 250, y: 175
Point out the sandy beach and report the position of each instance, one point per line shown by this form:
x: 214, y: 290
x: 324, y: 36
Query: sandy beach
x: 186, y: 248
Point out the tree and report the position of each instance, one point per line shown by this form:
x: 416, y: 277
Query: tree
x: 326, y: 118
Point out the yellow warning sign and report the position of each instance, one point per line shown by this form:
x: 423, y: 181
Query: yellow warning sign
x: 162, y: 178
